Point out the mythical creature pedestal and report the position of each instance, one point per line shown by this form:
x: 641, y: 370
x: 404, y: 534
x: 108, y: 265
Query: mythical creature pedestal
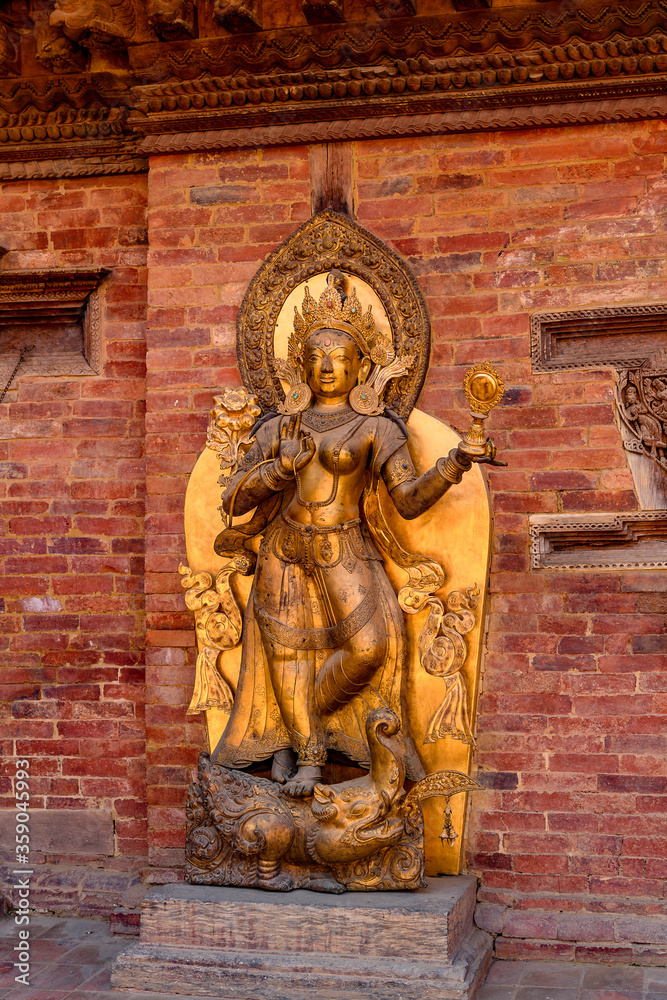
x: 247, y: 944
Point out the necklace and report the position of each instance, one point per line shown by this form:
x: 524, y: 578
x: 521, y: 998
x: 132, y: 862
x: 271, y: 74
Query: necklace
x: 314, y: 504
x: 319, y: 421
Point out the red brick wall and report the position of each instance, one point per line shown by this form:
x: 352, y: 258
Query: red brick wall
x: 572, y: 715
x: 495, y: 226
x: 71, y: 523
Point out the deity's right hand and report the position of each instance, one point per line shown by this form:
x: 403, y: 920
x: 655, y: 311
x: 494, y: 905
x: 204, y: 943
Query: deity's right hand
x: 296, y: 448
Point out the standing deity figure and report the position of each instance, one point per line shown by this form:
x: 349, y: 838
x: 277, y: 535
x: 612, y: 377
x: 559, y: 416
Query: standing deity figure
x: 339, y: 613
x: 324, y: 639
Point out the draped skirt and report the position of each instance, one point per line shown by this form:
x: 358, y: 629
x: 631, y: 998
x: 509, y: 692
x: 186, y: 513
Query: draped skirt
x: 315, y: 589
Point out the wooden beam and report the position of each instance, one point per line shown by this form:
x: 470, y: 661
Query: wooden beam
x: 331, y: 182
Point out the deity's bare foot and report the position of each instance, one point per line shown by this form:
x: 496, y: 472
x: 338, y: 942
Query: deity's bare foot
x: 303, y: 782
x: 283, y: 766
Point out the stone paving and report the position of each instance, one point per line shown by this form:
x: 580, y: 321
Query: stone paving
x: 71, y: 960
x: 569, y: 981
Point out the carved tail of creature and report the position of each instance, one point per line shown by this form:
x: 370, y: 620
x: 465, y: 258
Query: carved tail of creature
x: 387, y: 758
x: 218, y: 625
x: 356, y: 819
x: 441, y: 784
x: 387, y: 777
x: 643, y: 429
x: 442, y: 649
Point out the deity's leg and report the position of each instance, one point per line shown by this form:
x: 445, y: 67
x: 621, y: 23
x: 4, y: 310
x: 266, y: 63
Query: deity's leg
x: 349, y: 669
x: 283, y: 590
x: 292, y: 677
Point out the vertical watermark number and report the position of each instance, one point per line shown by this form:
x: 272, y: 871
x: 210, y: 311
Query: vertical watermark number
x: 22, y: 871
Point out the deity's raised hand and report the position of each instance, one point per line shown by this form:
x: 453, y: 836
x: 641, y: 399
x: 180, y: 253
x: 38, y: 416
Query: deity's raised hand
x: 296, y: 448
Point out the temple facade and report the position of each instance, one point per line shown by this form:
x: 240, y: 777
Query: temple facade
x: 152, y: 156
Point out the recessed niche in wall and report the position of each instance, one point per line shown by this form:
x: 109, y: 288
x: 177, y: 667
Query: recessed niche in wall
x: 632, y: 540
x: 57, y: 311
x: 609, y: 337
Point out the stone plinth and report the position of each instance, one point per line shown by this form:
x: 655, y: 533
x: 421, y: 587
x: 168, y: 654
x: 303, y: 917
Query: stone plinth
x: 249, y: 944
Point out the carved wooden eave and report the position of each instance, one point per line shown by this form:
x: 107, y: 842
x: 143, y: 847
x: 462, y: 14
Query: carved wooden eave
x: 633, y: 540
x: 177, y: 79
x: 66, y: 117
x: 25, y: 294
x: 244, y: 118
x: 368, y: 42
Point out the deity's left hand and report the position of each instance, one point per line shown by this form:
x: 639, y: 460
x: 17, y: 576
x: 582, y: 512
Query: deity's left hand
x: 489, y: 456
x: 466, y: 458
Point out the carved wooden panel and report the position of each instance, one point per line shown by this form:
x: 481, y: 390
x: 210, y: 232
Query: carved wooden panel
x: 618, y: 336
x: 237, y: 16
x: 103, y: 24
x: 634, y: 540
x: 56, y: 311
x: 322, y: 11
x: 641, y: 408
x: 394, y: 8
x: 172, y: 19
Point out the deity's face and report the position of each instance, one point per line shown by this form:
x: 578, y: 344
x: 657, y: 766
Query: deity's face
x: 332, y: 365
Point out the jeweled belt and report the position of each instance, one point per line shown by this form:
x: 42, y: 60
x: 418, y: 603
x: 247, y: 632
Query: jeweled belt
x: 321, y: 529
x: 327, y: 637
x: 310, y: 545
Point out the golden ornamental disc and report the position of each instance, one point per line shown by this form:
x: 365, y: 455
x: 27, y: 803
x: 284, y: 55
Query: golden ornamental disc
x: 297, y: 398
x: 483, y: 388
x: 364, y: 399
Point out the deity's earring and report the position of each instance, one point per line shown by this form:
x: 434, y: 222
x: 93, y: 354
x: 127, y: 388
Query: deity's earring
x: 364, y: 399
x: 297, y: 398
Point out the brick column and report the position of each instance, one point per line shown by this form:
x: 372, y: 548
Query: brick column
x: 212, y: 220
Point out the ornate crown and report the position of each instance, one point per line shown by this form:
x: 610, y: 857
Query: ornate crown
x: 337, y: 311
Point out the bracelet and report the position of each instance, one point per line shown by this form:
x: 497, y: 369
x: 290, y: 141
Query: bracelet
x: 451, y: 469
x: 272, y: 477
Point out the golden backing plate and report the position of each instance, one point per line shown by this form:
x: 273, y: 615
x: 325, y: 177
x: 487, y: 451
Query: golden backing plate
x: 456, y: 532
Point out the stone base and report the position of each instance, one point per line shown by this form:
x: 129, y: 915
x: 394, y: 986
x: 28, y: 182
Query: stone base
x: 74, y: 890
x: 248, y: 944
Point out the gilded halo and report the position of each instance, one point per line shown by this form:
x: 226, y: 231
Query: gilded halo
x: 332, y: 243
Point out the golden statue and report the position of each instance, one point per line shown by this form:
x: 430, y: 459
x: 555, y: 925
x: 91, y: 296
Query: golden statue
x: 325, y: 655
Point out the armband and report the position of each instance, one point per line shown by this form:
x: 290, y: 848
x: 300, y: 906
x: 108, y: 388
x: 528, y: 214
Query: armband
x: 451, y: 469
x: 400, y: 470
